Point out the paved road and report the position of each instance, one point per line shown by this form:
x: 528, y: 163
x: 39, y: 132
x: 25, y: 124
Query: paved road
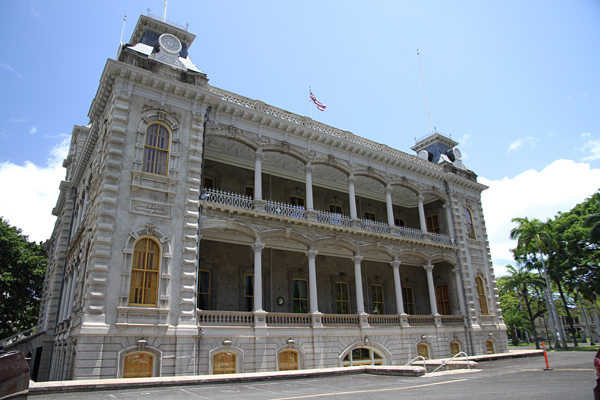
x: 572, y: 377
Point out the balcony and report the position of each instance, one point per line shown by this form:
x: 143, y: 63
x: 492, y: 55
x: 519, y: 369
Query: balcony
x: 239, y: 200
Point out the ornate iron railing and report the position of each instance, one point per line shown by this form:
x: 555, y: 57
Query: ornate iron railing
x: 374, y: 226
x: 285, y: 209
x: 228, y: 198
x: 334, y: 218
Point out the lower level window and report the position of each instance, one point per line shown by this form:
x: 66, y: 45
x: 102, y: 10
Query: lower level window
x: 138, y: 365
x: 224, y: 363
x: 288, y: 360
x: 362, y: 356
x: 489, y: 346
x: 454, y: 348
x: 423, y: 351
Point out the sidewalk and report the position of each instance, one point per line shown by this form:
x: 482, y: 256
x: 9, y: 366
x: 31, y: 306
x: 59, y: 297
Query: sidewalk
x: 136, y: 383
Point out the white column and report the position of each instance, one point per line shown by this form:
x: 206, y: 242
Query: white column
x: 449, y: 220
x: 258, y: 156
x: 388, y: 203
x: 258, y: 248
x: 360, y: 302
x: 312, y: 281
x: 432, y: 300
x: 309, y: 190
x: 399, y: 301
x: 352, y: 197
x: 459, y: 288
x: 420, y: 199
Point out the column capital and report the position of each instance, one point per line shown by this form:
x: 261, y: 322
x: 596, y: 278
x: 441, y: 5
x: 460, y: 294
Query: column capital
x: 258, y: 155
x: 388, y: 189
x: 311, y: 254
x: 396, y: 264
x: 420, y: 197
x: 351, y: 179
x: 258, y: 247
x: 456, y: 271
x: 308, y: 168
x: 357, y: 259
x: 428, y: 267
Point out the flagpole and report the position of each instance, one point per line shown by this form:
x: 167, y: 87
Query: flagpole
x: 309, y: 102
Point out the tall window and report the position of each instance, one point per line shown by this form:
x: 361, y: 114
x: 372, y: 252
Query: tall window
x: 336, y: 209
x: 300, y: 295
x: 399, y: 222
x: 248, y: 292
x: 370, y: 216
x: 454, y: 348
x: 470, y: 226
x: 156, y: 149
x: 249, y: 191
x: 423, y: 351
x: 362, y: 356
x: 342, y: 301
x: 143, y: 288
x: 288, y: 360
x: 224, y: 363
x: 204, y: 290
x: 377, y: 299
x: 481, y: 294
x: 138, y: 365
x: 297, y: 201
x: 489, y: 346
x: 432, y: 224
x: 409, y: 300
x: 443, y: 300
x: 209, y: 183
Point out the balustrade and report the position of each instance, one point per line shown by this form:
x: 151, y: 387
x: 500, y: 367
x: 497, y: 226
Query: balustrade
x: 228, y: 198
x: 285, y: 209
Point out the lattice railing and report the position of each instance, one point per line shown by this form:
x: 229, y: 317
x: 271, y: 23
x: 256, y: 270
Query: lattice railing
x: 374, y: 226
x: 228, y: 198
x: 285, y: 209
x: 334, y: 218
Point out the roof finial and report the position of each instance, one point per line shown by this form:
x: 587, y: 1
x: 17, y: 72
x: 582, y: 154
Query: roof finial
x: 123, y: 29
x: 165, y: 11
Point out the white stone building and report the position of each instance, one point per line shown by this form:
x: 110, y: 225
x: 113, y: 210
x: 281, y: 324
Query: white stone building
x: 318, y: 248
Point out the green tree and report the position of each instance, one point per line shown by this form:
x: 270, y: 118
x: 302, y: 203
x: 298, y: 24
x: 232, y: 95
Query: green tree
x: 534, y: 236
x: 22, y: 268
x: 525, y: 283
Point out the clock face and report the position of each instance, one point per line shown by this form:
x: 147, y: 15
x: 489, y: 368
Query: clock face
x: 280, y: 301
x: 169, y: 43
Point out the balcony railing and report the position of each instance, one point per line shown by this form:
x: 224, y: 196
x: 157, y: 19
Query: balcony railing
x: 246, y: 319
x: 326, y: 217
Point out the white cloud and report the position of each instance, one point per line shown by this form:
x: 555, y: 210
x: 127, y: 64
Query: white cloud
x: 33, y: 130
x: 30, y: 193
x: 9, y: 68
x: 585, y: 135
x: 533, y: 194
x: 515, y: 145
x: 591, y: 147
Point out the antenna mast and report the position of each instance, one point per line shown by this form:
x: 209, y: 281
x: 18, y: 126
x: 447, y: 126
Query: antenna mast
x: 426, y: 102
x: 165, y: 11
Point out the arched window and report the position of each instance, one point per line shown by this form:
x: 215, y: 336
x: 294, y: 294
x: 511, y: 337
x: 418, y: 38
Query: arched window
x: 288, y: 360
x: 156, y: 149
x: 470, y: 226
x: 481, y: 294
x: 138, y: 365
x: 454, y: 348
x: 362, y: 356
x: 224, y: 363
x: 423, y: 351
x: 489, y: 346
x: 143, y: 287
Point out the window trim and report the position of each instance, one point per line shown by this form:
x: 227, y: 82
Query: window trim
x: 482, y: 297
x: 342, y: 301
x: 370, y: 216
x: 443, y: 304
x: 380, y: 301
x: 470, y: 226
x: 405, y: 299
x: 144, y: 272
x: 300, y: 299
x: 432, y: 223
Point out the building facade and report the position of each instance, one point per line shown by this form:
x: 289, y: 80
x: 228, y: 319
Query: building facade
x: 202, y: 232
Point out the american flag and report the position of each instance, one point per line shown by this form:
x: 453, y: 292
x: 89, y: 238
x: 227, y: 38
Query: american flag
x: 317, y: 103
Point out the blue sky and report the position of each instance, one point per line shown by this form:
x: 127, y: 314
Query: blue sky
x: 517, y: 83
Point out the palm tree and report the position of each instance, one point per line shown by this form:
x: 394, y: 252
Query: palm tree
x: 523, y: 281
x: 534, y: 237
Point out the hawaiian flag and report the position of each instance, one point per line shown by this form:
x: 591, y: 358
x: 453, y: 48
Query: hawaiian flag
x: 317, y: 103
